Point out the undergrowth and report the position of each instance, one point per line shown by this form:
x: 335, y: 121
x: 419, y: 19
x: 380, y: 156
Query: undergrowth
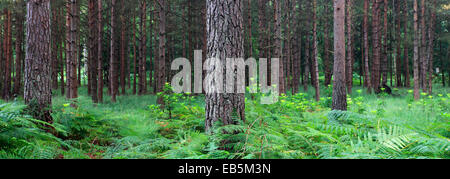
x: 297, y: 127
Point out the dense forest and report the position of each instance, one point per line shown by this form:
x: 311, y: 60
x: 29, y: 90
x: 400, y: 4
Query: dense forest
x: 106, y: 79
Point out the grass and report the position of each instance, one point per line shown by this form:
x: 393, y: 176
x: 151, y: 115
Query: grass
x: 297, y: 127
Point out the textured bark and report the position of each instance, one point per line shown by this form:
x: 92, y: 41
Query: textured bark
x: 416, y: 52
x: 37, y: 71
x: 225, y: 40
x: 339, y: 91
x: 349, y: 53
x: 315, y: 63
x: 71, y: 49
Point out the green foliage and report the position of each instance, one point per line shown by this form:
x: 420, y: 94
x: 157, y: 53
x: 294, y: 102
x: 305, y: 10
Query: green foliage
x: 297, y: 127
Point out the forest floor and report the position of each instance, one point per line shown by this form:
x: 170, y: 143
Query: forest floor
x: 376, y: 126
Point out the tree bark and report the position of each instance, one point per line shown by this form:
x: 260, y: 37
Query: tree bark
x: 225, y: 40
x: 37, y: 71
x: 339, y: 91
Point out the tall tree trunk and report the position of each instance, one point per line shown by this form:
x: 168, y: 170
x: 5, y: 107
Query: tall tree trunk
x: 278, y: 48
x: 134, y: 55
x: 326, y: 59
x: 376, y: 46
x: 367, y: 80
x: 38, y: 93
x: 406, y: 46
x: 398, y: 59
x: 315, y: 72
x: 339, y: 91
x: 384, y: 63
x: 19, y: 52
x: 123, y: 54
x: 225, y: 40
x: 100, y: 52
x: 113, y: 76
x: 8, y: 55
x: 143, y: 47
x: 430, y: 52
x: 423, y: 49
x: 349, y: 53
x: 416, y: 52
x: 72, y: 59
x: 93, y: 50
x: 161, y: 76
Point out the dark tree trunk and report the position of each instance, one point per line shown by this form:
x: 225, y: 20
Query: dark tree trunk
x: 38, y: 91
